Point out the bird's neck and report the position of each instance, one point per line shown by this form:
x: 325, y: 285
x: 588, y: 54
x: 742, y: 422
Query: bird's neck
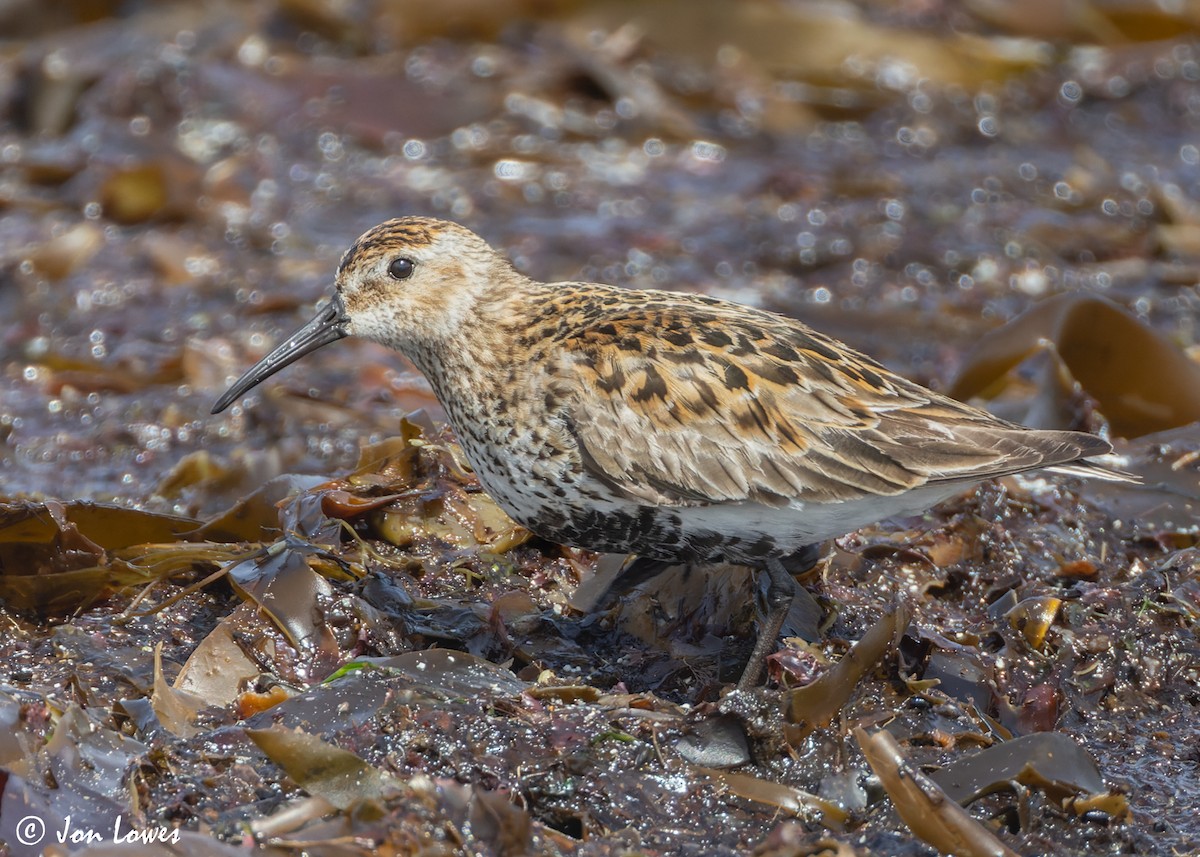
x: 484, y: 354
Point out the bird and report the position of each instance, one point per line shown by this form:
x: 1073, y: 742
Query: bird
x: 676, y: 427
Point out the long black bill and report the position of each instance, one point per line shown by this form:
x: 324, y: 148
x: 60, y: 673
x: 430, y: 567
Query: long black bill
x: 329, y: 325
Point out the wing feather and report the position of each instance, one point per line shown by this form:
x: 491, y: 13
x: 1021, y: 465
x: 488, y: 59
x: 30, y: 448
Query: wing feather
x: 752, y: 406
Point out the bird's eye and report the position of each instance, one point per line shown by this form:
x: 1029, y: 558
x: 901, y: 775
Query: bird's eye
x: 401, y: 269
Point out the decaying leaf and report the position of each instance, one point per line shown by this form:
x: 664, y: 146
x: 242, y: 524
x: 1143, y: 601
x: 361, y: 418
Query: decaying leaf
x: 280, y: 581
x: 815, y: 705
x: 67, y: 252
x: 176, y: 709
x: 458, y: 518
x: 496, y: 821
x: 817, y: 43
x: 56, y: 557
x: 1050, y: 19
x: 256, y: 517
x: 1033, y: 617
x: 1050, y: 761
x: 105, y: 526
x: 924, y: 807
x: 193, y: 469
x: 1167, y: 501
x: 217, y: 667
x: 780, y: 796
x: 252, y: 702
x: 413, y: 490
x: 321, y: 769
x: 390, y: 461
x: 451, y: 673
x: 1142, y: 382
x: 89, y: 759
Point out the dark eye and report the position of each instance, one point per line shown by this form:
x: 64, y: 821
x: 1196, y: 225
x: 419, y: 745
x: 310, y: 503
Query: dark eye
x: 401, y: 269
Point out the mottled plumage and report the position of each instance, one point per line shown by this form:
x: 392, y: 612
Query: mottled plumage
x: 675, y: 426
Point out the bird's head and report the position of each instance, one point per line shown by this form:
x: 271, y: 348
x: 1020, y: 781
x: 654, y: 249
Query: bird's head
x: 408, y: 283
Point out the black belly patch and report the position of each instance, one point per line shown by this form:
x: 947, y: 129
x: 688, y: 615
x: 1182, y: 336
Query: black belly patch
x: 649, y: 532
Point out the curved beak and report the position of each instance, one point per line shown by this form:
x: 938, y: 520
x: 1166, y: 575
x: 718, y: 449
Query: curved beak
x: 329, y: 325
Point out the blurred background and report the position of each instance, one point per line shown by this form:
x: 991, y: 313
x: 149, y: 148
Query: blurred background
x: 998, y: 199
x: 178, y: 181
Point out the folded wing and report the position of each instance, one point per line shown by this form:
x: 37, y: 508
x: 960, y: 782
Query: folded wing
x: 718, y: 408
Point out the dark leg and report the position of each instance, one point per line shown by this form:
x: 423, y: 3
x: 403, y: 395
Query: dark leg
x: 779, y: 601
x: 781, y: 588
x: 802, y: 560
x: 637, y: 572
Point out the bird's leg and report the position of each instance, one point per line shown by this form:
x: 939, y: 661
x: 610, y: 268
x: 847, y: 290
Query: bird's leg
x: 637, y: 572
x: 779, y: 601
x: 800, y: 561
x: 781, y: 588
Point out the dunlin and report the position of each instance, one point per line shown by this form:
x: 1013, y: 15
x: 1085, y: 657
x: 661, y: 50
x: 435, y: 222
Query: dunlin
x: 677, y: 427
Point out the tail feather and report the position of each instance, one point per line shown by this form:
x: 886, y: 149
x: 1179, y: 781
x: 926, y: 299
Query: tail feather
x: 1094, y: 470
